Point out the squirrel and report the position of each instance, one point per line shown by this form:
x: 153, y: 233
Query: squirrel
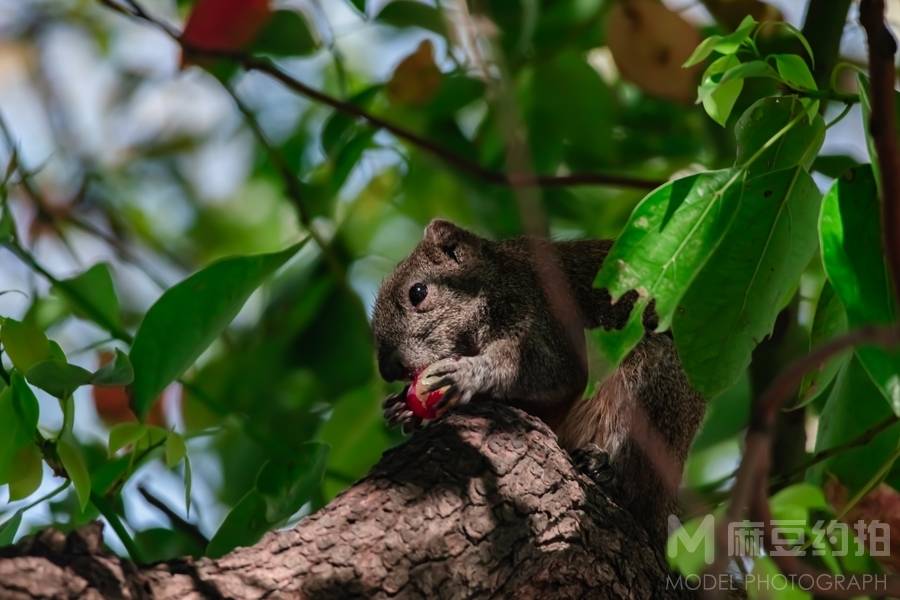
x: 506, y: 320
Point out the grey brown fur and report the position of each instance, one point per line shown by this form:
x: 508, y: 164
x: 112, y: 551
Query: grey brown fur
x: 505, y: 320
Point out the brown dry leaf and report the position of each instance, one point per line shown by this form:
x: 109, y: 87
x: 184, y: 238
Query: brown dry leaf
x: 416, y: 79
x: 730, y: 13
x: 881, y: 504
x: 649, y: 44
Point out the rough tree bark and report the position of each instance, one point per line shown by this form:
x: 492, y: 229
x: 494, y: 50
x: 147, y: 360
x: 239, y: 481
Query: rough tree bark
x: 481, y: 504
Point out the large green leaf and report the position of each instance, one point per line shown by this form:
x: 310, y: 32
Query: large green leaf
x: 667, y: 240
x: 853, y: 407
x: 95, y: 288
x: 853, y: 256
x: 282, y: 488
x: 25, y: 343
x: 9, y: 528
x: 189, y: 316
x: 733, y: 302
x: 762, y: 121
x: 18, y: 422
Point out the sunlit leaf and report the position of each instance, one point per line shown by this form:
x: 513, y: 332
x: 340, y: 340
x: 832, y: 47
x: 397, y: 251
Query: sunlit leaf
x: 125, y: 434
x: 25, y: 344
x: 732, y: 304
x: 718, y: 98
x: 794, y: 71
x: 723, y: 44
x: 667, y: 240
x: 189, y: 316
x: 756, y: 129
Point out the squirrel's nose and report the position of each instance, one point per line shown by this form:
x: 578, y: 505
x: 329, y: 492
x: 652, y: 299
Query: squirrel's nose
x: 390, y: 365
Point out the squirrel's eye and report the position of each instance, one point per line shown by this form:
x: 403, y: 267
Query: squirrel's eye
x: 417, y: 293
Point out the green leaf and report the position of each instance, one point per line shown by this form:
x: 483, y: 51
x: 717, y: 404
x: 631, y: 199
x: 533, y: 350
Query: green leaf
x: 189, y: 316
x: 853, y: 257
x: 854, y: 407
x: 286, y: 485
x: 175, y: 449
x: 9, y: 528
x: 732, y: 304
x: 124, y: 434
x: 25, y: 344
x: 286, y: 33
x: 18, y: 422
x: 803, y: 495
x: 666, y: 241
x: 94, y: 287
x: 117, y: 372
x: 829, y: 322
x: 801, y: 38
x: 766, y: 118
x: 794, y: 71
x: 57, y: 378
x: 339, y: 127
x: 25, y: 473
x: 282, y: 488
x: 754, y: 68
x: 407, y: 13
x: 765, y: 570
x: 834, y: 165
x: 723, y: 44
x: 718, y: 98
x: 243, y: 526
x: 73, y: 461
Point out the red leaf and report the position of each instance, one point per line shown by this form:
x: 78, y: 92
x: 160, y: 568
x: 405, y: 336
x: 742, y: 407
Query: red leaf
x: 225, y: 24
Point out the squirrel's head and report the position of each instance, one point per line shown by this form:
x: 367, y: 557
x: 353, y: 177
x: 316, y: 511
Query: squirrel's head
x: 427, y: 308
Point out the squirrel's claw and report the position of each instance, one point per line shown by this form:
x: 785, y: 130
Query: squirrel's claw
x: 396, y: 413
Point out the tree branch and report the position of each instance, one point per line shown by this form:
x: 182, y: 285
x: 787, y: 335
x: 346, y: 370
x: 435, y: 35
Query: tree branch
x: 883, y: 128
x: 482, y: 503
x: 460, y: 163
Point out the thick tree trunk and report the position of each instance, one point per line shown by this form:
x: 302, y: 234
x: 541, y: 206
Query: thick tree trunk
x: 482, y: 504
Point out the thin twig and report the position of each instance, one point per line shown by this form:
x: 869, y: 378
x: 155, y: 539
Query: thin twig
x: 883, y: 128
x: 460, y: 163
x: 177, y: 521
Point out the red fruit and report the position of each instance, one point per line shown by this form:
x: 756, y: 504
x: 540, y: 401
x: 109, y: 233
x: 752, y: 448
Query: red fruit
x: 225, y: 24
x: 423, y: 404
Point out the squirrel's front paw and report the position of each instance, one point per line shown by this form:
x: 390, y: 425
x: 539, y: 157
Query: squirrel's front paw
x: 397, y: 413
x: 461, y: 377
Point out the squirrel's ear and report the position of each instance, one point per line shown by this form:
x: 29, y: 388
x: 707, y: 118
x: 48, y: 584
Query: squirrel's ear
x: 450, y: 238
